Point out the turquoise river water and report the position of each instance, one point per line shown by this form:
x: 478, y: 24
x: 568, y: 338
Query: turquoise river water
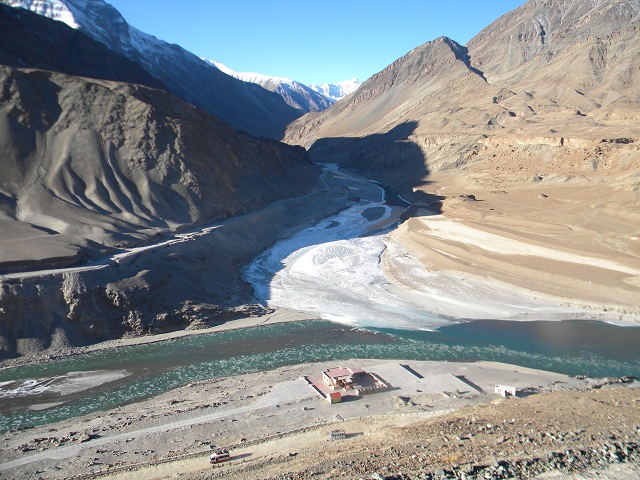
x: 571, y: 347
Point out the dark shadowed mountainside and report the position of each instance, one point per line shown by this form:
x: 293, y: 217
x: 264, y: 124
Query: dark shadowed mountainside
x: 245, y: 106
x: 94, y: 160
x: 90, y: 165
x: 97, y: 161
x: 55, y: 46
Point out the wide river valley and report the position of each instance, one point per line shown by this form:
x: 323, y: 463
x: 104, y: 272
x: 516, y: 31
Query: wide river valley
x: 331, y: 270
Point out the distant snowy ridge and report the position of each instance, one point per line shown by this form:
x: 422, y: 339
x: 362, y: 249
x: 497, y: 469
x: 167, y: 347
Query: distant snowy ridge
x: 250, y: 76
x: 296, y: 94
x: 245, y: 106
x: 339, y: 90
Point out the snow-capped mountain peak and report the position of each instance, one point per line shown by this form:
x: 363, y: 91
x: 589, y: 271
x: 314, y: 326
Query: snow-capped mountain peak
x: 53, y: 9
x: 95, y: 18
x: 336, y: 91
x: 252, y: 77
x: 294, y: 93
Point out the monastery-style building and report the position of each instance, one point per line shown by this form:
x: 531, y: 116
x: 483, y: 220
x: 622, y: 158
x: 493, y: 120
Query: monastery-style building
x: 338, y: 382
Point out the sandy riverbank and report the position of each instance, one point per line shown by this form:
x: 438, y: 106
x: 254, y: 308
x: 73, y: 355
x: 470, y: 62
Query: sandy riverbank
x: 276, y: 315
x: 254, y: 412
x: 551, y: 251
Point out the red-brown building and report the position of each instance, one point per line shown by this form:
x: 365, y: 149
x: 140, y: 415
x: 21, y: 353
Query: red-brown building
x: 338, y: 382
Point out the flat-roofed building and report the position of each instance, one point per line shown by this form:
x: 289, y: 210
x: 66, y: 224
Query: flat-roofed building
x: 338, y: 378
x: 338, y: 382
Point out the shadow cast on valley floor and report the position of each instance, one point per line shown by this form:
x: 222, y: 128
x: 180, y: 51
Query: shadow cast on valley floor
x: 391, y: 158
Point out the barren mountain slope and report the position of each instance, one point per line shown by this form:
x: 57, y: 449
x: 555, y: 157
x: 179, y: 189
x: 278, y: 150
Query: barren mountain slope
x: 578, y: 78
x: 432, y: 83
x: 529, y: 136
x: 565, y: 65
x: 97, y: 162
x: 93, y: 164
x: 545, y: 28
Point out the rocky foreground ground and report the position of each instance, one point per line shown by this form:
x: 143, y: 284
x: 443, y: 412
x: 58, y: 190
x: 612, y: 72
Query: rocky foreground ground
x: 562, y: 433
x: 447, y: 423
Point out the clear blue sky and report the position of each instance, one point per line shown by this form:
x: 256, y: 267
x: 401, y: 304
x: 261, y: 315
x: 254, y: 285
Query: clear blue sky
x: 310, y: 41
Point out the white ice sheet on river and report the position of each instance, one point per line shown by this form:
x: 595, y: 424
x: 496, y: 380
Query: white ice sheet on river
x: 330, y: 271
x: 71, y: 382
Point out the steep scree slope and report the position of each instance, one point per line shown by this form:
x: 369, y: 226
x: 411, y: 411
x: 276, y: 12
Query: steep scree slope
x: 552, y: 72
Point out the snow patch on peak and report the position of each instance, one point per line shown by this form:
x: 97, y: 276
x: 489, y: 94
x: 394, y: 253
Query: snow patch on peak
x: 251, y: 77
x: 349, y: 85
x: 338, y: 90
x: 294, y: 93
x: 96, y: 18
x: 222, y: 67
x: 53, y: 9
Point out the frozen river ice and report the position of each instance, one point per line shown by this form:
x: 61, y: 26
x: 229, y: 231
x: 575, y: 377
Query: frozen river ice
x: 333, y: 269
